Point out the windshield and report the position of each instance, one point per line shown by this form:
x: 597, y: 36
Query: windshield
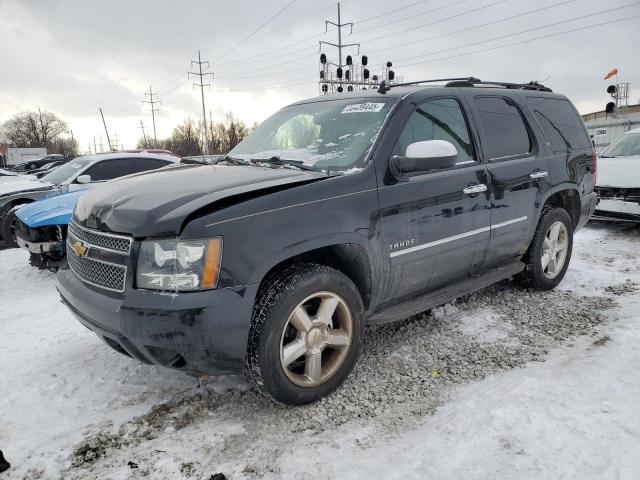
x: 66, y: 171
x: 334, y: 134
x: 625, y: 146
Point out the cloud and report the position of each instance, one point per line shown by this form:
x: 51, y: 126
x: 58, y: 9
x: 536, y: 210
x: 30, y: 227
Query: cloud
x: 72, y: 57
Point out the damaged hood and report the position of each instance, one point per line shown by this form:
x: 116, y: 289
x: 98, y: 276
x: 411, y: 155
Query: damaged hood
x: 620, y: 172
x: 22, y: 184
x: 50, y: 211
x: 156, y: 203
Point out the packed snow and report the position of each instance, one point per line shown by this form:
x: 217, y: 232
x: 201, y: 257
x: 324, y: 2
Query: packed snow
x: 506, y: 383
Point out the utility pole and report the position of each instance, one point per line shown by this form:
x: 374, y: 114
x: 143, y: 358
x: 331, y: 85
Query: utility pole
x: 115, y: 141
x: 152, y: 102
x: 201, y: 75
x: 90, y: 148
x: 105, y: 129
x: 144, y: 137
x: 95, y: 148
x: 339, y: 45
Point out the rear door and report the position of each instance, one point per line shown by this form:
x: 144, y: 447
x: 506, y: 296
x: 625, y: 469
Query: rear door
x: 434, y: 232
x: 518, y: 171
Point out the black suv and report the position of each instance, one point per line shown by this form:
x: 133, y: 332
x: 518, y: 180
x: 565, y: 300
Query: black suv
x: 337, y: 212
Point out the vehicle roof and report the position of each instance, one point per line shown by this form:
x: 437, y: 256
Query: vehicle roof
x: 116, y: 155
x: 633, y: 130
x: 405, y: 91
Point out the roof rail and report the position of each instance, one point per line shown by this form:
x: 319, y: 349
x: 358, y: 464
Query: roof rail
x: 384, y: 88
x: 467, y: 82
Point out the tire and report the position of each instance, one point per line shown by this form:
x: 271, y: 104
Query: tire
x: 542, y: 272
x: 288, y: 300
x: 8, y: 227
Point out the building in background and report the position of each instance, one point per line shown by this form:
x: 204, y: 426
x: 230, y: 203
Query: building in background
x: 604, y: 128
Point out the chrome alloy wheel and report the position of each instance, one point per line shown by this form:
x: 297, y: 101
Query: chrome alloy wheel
x: 316, y: 339
x: 554, y: 250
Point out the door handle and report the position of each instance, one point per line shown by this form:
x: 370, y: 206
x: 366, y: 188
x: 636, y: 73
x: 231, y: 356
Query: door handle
x: 473, y: 189
x: 539, y: 174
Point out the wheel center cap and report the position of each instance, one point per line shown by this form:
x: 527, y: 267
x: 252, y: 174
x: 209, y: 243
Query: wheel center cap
x: 315, y: 337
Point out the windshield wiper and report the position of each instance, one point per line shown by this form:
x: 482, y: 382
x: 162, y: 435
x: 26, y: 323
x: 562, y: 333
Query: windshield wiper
x: 233, y: 160
x: 283, y: 161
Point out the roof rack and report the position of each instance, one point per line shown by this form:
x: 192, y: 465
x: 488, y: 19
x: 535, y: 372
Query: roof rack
x: 466, y: 82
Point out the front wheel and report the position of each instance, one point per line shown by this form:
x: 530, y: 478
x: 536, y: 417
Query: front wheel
x: 8, y: 227
x: 305, y: 335
x: 549, y: 254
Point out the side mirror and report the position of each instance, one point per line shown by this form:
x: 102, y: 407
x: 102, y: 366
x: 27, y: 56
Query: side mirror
x: 422, y: 157
x: 84, y: 179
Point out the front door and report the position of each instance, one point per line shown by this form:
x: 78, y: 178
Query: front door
x: 518, y: 171
x: 435, y: 226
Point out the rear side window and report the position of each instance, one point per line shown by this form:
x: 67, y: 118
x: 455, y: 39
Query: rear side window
x: 504, y: 131
x: 438, y: 119
x: 560, y: 122
x: 145, y: 164
x: 109, y: 169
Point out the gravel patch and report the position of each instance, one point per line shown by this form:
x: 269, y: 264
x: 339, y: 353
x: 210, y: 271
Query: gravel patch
x: 406, y: 371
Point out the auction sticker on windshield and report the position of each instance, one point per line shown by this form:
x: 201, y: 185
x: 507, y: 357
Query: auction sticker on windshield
x: 363, y: 108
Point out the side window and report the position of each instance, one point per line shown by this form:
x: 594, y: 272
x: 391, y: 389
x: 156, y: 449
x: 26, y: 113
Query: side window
x: 438, y: 119
x: 109, y: 169
x: 145, y: 164
x: 560, y: 122
x: 504, y: 131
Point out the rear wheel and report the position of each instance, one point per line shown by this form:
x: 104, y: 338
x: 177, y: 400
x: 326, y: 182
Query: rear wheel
x: 305, y: 335
x: 549, y: 254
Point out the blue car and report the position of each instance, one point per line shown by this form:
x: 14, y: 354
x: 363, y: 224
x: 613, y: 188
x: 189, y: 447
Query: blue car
x: 42, y: 229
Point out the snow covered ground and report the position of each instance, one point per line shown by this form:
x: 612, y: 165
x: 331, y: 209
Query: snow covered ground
x: 505, y: 384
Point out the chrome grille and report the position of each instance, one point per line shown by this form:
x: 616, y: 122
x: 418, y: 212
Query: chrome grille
x: 91, y: 266
x: 107, y: 241
x: 100, y: 274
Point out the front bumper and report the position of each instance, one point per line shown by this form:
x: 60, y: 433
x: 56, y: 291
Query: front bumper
x: 39, y: 247
x: 197, y: 332
x: 615, y: 209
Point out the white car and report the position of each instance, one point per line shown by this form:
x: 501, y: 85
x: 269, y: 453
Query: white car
x: 78, y: 174
x: 618, y: 182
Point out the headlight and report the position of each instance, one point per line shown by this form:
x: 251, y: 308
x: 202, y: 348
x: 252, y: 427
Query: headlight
x: 179, y: 265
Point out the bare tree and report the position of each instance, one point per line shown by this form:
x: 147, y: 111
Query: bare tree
x: 64, y: 146
x: 185, y: 139
x: 223, y: 136
x: 34, y: 129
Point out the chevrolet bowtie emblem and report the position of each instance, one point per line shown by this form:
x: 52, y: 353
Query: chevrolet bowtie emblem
x: 80, y: 249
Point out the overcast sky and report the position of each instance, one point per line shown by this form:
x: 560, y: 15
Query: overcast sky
x: 73, y: 56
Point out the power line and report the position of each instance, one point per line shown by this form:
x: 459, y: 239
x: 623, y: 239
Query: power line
x: 248, y: 73
x: 152, y: 102
x: 434, y: 22
x: 254, y: 32
x: 299, y: 20
x: 200, y: 74
x: 306, y: 80
x: 146, y: 144
x: 474, y: 27
x: 529, y: 40
x: 366, y: 20
x: 339, y: 45
x: 520, y: 32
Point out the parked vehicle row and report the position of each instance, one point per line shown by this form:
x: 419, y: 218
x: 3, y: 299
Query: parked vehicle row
x: 40, y: 226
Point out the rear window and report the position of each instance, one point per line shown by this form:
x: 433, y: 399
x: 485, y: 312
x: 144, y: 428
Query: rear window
x: 560, y: 122
x: 503, y: 129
